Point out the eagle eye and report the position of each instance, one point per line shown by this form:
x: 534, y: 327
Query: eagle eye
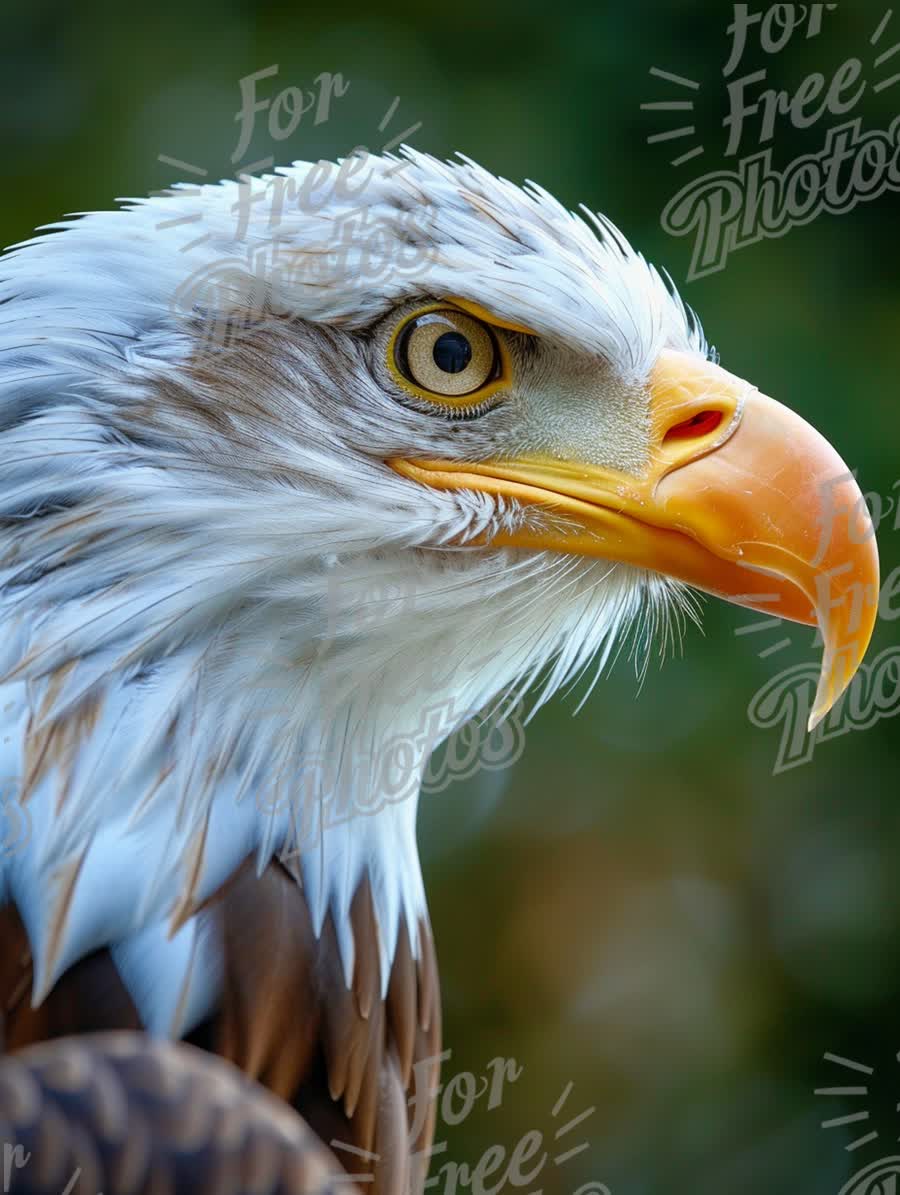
x: 444, y: 354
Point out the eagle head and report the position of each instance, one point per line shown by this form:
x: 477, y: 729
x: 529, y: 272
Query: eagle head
x: 297, y: 473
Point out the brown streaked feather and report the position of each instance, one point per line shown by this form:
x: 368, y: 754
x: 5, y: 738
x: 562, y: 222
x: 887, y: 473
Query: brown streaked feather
x: 393, y: 1166
x: 401, y: 1004
x: 126, y: 1114
x: 89, y: 997
x: 64, y: 890
x: 426, y: 973
x: 57, y: 743
x: 365, y: 930
x: 269, y: 1022
x: 186, y: 905
x: 426, y: 1057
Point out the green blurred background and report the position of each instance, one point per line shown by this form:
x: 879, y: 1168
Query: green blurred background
x: 640, y: 907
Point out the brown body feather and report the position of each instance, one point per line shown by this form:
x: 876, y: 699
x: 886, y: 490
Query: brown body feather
x: 355, y: 1066
x: 124, y: 1114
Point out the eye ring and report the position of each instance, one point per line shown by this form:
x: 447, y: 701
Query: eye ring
x: 447, y: 357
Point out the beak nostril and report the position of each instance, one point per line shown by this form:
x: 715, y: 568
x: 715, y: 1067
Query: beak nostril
x: 698, y: 425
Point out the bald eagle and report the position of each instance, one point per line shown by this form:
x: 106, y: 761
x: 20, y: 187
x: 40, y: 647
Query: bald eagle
x: 285, y: 465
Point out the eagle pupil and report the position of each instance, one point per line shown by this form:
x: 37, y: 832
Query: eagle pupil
x: 452, y: 352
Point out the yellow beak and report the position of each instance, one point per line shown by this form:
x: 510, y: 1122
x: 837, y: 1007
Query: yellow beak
x: 741, y: 498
